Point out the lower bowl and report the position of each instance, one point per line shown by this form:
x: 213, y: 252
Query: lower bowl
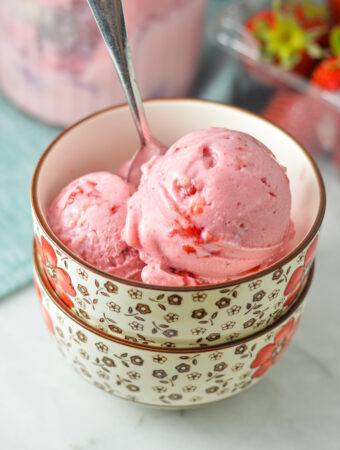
x: 166, y: 377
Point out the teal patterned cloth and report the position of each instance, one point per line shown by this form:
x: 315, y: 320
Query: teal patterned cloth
x: 23, y: 139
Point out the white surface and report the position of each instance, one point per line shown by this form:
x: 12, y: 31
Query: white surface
x: 45, y: 405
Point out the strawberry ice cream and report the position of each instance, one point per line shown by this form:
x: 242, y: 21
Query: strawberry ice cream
x: 215, y: 207
x: 88, y: 216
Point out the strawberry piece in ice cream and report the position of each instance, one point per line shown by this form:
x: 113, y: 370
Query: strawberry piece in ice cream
x: 215, y: 207
x: 88, y: 216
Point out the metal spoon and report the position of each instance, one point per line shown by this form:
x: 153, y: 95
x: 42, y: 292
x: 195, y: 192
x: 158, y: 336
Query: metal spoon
x: 111, y: 23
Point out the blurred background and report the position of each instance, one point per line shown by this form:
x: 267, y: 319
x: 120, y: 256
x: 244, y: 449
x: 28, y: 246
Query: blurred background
x: 277, y: 59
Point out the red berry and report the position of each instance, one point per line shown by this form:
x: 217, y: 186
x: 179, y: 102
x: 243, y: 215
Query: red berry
x: 264, y: 16
x: 305, y: 66
x: 310, y: 17
x: 289, y: 35
x: 327, y: 74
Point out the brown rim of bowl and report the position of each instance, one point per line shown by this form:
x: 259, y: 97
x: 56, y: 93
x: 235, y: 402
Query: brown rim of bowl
x: 60, y: 305
x: 44, y: 225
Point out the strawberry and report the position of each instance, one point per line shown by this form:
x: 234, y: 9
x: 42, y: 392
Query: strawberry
x: 326, y: 115
x: 288, y: 36
x: 313, y: 17
x: 265, y: 16
x: 309, y: 15
x: 291, y: 112
x: 327, y: 74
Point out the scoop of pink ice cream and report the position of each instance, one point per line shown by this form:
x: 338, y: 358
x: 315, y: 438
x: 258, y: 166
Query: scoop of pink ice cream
x: 88, y: 216
x: 215, y: 207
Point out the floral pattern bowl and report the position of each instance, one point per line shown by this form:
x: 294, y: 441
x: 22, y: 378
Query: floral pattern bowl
x: 165, y: 377
x: 165, y: 316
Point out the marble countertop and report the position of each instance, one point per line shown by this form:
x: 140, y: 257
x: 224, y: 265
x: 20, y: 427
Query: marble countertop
x: 46, y: 405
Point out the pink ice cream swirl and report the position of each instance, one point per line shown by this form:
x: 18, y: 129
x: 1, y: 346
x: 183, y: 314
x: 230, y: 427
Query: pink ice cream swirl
x: 215, y: 207
x: 88, y: 216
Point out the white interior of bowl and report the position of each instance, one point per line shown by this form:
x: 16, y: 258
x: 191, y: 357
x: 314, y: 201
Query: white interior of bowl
x: 106, y: 141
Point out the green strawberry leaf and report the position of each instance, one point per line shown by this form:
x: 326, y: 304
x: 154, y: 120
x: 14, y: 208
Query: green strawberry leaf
x: 285, y: 40
x: 334, y: 41
x: 261, y: 28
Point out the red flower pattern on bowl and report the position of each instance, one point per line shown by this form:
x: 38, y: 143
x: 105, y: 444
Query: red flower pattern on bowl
x: 271, y: 353
x: 299, y: 274
x: 44, y: 311
x: 58, y: 278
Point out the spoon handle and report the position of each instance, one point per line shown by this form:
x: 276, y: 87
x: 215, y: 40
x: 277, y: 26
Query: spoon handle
x: 111, y: 23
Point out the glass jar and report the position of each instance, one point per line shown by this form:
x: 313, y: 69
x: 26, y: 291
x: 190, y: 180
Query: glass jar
x: 55, y: 66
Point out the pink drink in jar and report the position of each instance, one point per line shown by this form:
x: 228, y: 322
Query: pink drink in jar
x: 55, y: 66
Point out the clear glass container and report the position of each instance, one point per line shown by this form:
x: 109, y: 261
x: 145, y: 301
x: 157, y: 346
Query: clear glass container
x: 309, y: 114
x: 55, y: 66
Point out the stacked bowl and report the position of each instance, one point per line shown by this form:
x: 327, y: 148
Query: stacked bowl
x: 170, y: 346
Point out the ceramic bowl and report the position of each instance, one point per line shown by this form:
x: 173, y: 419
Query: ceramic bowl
x: 156, y: 376
x: 168, y: 316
